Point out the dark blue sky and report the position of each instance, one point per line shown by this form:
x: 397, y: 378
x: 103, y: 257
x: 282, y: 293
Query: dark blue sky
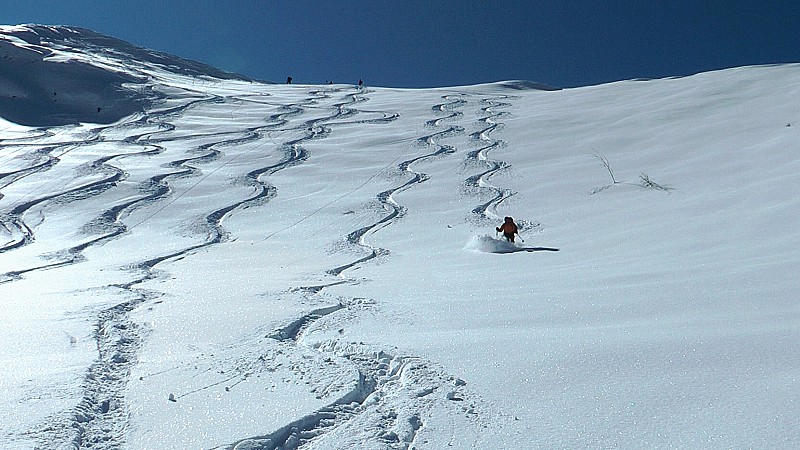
x: 410, y: 43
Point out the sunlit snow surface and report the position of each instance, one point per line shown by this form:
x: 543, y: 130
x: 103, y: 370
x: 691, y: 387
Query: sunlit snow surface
x: 246, y: 265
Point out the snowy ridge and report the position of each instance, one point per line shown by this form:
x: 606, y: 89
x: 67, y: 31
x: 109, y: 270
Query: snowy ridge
x: 227, y: 264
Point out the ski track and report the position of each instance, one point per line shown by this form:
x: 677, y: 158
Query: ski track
x: 382, y: 374
x: 479, y: 184
x: 395, y: 211
x: 100, y: 418
x: 14, y: 216
x: 44, y: 160
x: 118, y: 338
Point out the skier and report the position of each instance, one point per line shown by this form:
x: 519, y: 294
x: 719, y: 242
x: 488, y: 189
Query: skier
x: 509, y: 229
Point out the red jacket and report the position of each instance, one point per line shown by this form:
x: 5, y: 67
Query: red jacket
x: 509, y: 228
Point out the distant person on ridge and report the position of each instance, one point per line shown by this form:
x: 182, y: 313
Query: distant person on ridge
x: 509, y: 229
x: 288, y: 80
x: 360, y: 83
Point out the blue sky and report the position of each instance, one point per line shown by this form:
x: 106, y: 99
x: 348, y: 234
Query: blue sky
x: 410, y: 43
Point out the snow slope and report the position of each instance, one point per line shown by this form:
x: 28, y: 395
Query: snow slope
x: 234, y: 264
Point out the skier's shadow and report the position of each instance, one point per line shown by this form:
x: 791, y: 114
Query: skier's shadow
x: 515, y: 249
x: 489, y: 244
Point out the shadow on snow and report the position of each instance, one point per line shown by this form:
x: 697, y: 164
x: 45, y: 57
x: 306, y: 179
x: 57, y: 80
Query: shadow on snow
x: 488, y: 244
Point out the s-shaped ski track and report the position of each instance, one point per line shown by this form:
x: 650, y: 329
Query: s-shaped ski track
x: 381, y: 374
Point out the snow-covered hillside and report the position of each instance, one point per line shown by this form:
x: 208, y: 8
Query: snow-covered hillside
x: 191, y: 260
